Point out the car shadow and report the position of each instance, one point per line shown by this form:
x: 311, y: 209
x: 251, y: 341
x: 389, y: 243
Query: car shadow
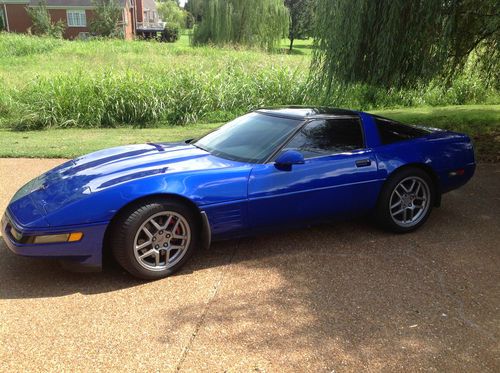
x: 26, y: 277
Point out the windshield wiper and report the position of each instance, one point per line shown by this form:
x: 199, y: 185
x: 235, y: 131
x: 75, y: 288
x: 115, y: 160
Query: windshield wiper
x: 199, y: 147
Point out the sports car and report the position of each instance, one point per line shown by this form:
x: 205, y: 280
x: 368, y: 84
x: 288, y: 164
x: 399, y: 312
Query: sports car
x: 152, y: 205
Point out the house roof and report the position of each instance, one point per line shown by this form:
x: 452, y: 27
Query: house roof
x: 71, y: 3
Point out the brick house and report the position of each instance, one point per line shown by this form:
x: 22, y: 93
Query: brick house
x: 137, y: 15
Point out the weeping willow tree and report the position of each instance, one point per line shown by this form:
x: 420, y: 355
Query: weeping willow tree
x: 399, y: 42
x: 261, y: 23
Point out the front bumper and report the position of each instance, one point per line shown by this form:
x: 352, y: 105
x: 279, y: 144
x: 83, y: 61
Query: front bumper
x: 86, y: 252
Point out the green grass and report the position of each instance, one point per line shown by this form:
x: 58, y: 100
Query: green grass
x: 73, y: 142
x: 34, y: 57
x: 482, y: 122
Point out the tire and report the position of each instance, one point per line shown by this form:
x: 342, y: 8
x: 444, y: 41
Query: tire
x: 154, y: 239
x: 400, y: 207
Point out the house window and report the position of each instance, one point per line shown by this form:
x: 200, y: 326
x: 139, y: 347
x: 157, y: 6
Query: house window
x: 76, y: 18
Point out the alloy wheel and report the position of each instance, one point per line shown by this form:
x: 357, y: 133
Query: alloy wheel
x: 162, y: 241
x: 409, y: 201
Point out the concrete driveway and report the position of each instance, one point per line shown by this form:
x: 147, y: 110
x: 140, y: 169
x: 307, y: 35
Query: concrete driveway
x: 343, y: 297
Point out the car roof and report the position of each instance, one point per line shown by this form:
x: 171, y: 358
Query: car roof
x: 306, y: 112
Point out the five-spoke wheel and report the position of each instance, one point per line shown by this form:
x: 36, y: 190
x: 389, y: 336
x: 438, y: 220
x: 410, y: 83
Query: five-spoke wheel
x: 409, y: 201
x: 154, y: 239
x: 406, y: 200
x: 162, y: 240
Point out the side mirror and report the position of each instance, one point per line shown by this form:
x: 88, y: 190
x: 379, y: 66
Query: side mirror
x: 288, y: 158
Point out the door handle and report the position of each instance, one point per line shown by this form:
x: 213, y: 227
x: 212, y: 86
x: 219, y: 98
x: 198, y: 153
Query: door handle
x: 363, y: 162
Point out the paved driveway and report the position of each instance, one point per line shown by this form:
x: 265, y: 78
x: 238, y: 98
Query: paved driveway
x: 340, y: 297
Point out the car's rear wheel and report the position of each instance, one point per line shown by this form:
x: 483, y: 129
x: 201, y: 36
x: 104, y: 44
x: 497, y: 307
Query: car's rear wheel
x: 406, y: 200
x: 155, y: 239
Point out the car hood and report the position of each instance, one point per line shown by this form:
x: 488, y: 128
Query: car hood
x: 78, y: 178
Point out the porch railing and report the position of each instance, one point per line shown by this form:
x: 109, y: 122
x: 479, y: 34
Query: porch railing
x: 150, y: 25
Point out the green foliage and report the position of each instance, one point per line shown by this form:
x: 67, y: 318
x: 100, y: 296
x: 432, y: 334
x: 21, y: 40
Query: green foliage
x: 402, y: 43
x: 107, y: 18
x: 42, y: 23
x: 187, y: 95
x: 189, y: 21
x: 180, y: 96
x: 474, y: 28
x: 18, y: 45
x: 113, y: 83
x: 261, y: 23
x: 2, y: 20
x: 170, y: 34
x: 195, y: 7
x: 171, y: 13
x: 301, y: 19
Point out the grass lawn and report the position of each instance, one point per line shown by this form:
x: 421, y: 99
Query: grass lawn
x: 72, y: 142
x: 35, y: 57
x: 482, y: 122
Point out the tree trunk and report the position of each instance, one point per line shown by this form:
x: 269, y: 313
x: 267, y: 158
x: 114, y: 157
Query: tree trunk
x: 291, y: 43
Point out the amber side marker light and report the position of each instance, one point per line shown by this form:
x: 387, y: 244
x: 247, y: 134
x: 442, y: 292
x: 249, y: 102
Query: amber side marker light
x: 75, y: 236
x: 55, y: 238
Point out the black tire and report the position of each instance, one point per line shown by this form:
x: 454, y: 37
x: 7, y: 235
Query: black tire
x: 126, y: 229
x: 383, y: 210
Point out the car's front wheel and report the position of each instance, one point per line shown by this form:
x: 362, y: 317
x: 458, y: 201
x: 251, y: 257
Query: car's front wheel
x: 406, y: 200
x: 155, y: 239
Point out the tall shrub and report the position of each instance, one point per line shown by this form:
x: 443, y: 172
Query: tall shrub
x: 107, y: 18
x: 2, y: 21
x: 42, y: 23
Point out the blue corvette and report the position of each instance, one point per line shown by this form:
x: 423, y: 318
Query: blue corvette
x: 154, y: 204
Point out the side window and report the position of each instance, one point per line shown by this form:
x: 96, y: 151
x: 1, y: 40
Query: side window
x: 391, y: 132
x: 322, y: 137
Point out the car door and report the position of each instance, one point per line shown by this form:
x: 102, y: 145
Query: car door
x: 339, y: 177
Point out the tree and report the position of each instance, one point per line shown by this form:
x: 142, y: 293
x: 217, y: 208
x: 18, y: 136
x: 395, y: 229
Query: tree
x: 189, y: 20
x: 474, y: 27
x: 301, y: 19
x: 195, y: 7
x: 42, y: 23
x: 261, y: 23
x: 399, y: 42
x: 171, y: 13
x: 2, y: 21
x: 107, y: 18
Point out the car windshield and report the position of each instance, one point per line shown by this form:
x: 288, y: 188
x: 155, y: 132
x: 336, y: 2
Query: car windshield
x: 250, y: 138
